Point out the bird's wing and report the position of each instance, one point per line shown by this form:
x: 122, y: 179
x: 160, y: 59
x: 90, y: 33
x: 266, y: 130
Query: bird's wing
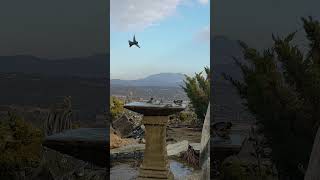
x: 134, y: 38
x: 137, y: 45
x: 130, y: 43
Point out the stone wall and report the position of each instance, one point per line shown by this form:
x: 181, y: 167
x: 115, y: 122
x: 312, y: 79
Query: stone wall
x: 205, y: 147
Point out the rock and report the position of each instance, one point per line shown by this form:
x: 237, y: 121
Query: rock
x: 128, y: 148
x: 196, y: 146
x: 172, y: 149
x: 177, y: 148
x: 123, y: 126
x: 137, y: 132
x: 143, y: 141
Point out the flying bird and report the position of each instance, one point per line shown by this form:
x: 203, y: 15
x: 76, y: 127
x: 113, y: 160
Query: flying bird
x: 134, y: 42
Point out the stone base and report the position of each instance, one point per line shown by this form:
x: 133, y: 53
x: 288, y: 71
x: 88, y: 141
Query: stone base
x: 155, y: 174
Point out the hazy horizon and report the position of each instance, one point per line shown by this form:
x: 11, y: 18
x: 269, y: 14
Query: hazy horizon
x: 174, y: 36
x: 147, y: 75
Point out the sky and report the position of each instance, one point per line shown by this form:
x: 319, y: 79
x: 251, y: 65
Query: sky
x: 254, y: 21
x: 174, y: 37
x: 54, y: 29
x: 76, y: 28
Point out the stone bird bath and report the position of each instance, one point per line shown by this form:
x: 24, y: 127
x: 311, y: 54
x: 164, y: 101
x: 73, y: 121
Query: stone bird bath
x: 155, y: 119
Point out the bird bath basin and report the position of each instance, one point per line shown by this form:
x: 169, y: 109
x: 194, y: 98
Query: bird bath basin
x: 155, y: 163
x: 149, y: 109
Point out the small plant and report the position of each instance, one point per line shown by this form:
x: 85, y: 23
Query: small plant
x: 191, y: 157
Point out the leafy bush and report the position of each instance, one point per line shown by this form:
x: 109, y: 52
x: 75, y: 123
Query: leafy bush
x: 116, y: 107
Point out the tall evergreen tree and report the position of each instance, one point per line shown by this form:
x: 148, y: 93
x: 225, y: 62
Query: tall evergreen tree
x: 197, y: 89
x: 285, y: 99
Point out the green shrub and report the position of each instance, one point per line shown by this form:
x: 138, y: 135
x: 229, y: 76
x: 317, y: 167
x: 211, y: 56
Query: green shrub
x: 116, y: 107
x: 20, y: 144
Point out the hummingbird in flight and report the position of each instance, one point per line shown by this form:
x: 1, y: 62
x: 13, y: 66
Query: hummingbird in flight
x: 134, y: 42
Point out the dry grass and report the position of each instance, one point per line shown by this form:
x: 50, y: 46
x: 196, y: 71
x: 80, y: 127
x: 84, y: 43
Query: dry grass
x: 116, y: 141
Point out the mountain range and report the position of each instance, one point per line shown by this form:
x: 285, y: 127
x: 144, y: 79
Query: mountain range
x: 222, y: 51
x: 90, y: 66
x: 161, y: 80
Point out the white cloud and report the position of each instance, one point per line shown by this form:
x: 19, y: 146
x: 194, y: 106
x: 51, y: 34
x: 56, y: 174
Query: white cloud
x: 203, y: 1
x: 136, y: 15
x: 203, y: 35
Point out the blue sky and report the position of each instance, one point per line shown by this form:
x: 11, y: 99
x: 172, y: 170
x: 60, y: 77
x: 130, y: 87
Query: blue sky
x: 173, y: 35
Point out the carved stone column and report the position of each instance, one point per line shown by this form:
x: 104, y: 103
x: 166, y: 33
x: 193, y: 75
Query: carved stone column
x: 155, y: 162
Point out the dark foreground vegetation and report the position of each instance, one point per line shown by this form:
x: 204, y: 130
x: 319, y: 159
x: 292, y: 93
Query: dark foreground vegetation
x: 281, y: 86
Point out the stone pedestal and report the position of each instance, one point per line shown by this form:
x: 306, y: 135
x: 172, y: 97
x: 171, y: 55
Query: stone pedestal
x: 155, y: 162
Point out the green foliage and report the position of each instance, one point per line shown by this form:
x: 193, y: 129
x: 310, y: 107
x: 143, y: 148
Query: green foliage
x: 183, y: 116
x: 20, y: 144
x: 285, y: 100
x: 197, y: 89
x: 187, y: 116
x: 116, y: 107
